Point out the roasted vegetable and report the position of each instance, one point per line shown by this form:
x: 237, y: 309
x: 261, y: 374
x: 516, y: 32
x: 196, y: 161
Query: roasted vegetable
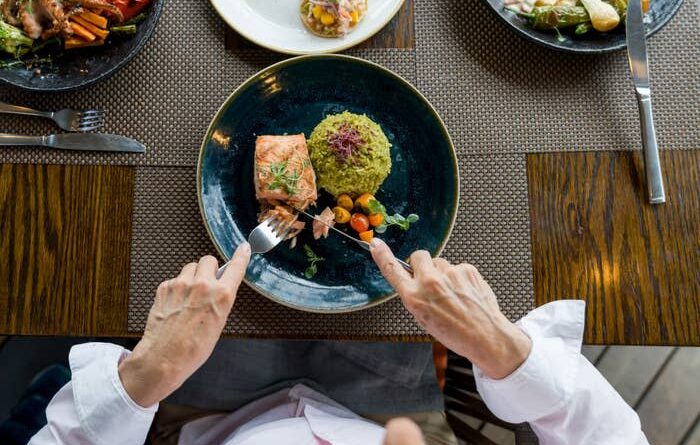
x: 558, y: 17
x: 376, y: 219
x: 620, y: 7
x: 13, y: 40
x: 345, y: 201
x: 131, y: 8
x: 583, y: 28
x: 124, y: 30
x: 362, y: 203
x: 603, y: 16
x: 341, y: 215
x: 367, y: 236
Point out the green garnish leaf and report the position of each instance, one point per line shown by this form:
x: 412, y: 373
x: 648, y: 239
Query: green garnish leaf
x: 281, y: 179
x: 313, y: 259
x: 391, y: 220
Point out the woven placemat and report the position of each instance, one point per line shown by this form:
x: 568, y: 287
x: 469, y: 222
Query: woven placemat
x: 501, y: 93
x: 491, y: 232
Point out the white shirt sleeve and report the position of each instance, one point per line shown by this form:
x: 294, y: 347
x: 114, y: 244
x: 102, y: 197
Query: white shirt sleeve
x: 557, y: 390
x: 93, y: 408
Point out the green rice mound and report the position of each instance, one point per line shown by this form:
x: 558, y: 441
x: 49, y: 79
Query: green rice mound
x: 364, y: 170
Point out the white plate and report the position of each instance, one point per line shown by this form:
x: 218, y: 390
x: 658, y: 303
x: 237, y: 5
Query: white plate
x: 276, y: 25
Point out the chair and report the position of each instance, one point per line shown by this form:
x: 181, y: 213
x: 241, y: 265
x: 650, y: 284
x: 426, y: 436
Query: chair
x: 461, y: 398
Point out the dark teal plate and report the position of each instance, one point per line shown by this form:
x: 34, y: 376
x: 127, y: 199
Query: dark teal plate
x: 292, y: 97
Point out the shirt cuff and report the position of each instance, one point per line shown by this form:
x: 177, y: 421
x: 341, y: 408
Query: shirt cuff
x: 103, y: 405
x: 545, y: 381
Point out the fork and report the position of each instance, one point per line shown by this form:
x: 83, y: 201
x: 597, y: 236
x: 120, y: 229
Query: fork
x: 264, y: 238
x: 69, y: 120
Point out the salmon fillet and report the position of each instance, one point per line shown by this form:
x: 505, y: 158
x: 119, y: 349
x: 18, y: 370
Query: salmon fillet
x: 283, y: 171
x: 284, y: 179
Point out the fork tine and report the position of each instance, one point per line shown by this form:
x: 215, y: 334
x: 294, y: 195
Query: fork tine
x: 87, y: 128
x: 92, y: 120
x: 92, y: 113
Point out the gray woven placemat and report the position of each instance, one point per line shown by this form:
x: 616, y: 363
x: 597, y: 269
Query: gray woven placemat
x: 501, y: 93
x: 492, y: 232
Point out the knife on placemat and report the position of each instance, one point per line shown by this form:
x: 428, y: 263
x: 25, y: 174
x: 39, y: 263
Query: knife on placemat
x: 77, y: 141
x: 637, y: 52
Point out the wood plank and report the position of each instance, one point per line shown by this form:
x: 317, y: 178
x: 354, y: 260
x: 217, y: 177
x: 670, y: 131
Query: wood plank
x: 398, y: 33
x: 632, y: 369
x: 64, y: 256
x: 693, y: 437
x: 595, y: 237
x: 499, y: 435
x: 671, y: 406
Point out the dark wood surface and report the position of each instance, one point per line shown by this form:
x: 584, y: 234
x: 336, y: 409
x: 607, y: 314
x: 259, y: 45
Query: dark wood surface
x: 398, y: 33
x: 65, y: 249
x: 594, y: 237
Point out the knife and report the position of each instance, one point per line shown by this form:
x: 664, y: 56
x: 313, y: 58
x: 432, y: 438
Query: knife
x: 77, y: 141
x: 637, y: 52
x: 363, y: 244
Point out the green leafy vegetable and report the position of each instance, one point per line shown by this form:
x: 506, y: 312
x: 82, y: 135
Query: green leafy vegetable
x: 13, y: 40
x: 282, y: 179
x: 389, y: 220
x: 313, y: 261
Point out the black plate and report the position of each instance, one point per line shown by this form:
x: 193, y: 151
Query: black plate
x: 660, y: 12
x: 80, y: 68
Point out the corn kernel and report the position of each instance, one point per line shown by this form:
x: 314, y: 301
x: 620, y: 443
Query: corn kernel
x: 355, y: 16
x: 327, y: 19
x: 317, y: 11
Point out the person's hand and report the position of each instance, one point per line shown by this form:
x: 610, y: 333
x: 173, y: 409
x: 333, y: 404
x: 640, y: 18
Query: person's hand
x: 402, y: 432
x: 184, y: 324
x: 457, y: 307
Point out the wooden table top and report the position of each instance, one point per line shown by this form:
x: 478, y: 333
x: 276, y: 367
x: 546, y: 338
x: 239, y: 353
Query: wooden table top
x: 66, y: 230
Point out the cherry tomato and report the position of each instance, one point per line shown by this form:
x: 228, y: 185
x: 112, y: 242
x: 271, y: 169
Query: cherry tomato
x: 359, y: 222
x: 363, y: 201
x: 345, y: 201
x: 341, y: 215
x: 376, y: 219
x: 367, y: 236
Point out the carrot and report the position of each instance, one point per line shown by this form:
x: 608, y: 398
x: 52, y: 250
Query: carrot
x: 97, y: 20
x: 101, y: 33
x: 80, y: 31
x: 74, y: 43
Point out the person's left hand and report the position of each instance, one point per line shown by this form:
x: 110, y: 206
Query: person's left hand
x: 184, y: 324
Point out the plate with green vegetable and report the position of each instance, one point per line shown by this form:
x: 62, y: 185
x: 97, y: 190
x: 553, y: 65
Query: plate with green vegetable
x: 579, y: 26
x: 52, y: 45
x: 340, y: 138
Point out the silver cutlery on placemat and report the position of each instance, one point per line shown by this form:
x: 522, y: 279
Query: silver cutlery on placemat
x: 77, y: 141
x: 66, y: 119
x: 637, y: 52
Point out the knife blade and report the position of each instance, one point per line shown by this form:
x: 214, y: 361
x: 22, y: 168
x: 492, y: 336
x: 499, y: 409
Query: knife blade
x: 639, y: 67
x: 363, y: 244
x: 78, y: 141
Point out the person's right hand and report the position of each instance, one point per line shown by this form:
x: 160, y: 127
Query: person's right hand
x: 185, y: 322
x: 457, y: 307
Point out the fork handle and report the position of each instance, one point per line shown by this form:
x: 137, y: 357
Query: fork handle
x: 16, y: 109
x: 19, y: 139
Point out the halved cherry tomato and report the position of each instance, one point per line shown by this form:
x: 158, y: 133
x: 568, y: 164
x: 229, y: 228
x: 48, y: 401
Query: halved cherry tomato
x: 367, y: 236
x: 341, y: 215
x: 359, y: 222
x: 345, y: 201
x: 376, y: 219
x: 363, y: 201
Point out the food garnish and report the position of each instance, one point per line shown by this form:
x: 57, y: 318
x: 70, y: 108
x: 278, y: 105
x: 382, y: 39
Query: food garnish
x: 345, y: 201
x: 281, y: 178
x: 359, y: 222
x: 367, y: 236
x: 396, y: 220
x: 341, y: 215
x: 313, y: 260
x: 362, y: 203
x: 345, y: 142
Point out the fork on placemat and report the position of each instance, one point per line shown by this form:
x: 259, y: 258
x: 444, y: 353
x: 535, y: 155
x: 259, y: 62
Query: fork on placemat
x: 69, y: 120
x: 264, y: 238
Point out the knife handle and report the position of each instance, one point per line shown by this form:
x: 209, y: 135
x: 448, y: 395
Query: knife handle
x: 652, y: 163
x: 18, y: 139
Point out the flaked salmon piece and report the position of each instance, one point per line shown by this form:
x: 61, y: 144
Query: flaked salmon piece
x: 283, y: 172
x: 320, y: 229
